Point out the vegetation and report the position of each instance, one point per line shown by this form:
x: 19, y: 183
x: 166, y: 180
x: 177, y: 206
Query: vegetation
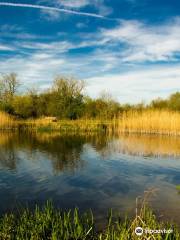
x: 55, y: 108
x: 6, y: 121
x: 151, y: 121
x: 66, y: 100
x: 50, y: 223
x: 178, y: 188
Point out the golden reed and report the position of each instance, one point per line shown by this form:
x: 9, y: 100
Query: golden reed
x: 7, y: 121
x: 146, y: 121
x: 150, y: 121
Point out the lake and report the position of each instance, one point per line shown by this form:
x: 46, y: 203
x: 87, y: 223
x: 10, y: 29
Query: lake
x: 95, y: 172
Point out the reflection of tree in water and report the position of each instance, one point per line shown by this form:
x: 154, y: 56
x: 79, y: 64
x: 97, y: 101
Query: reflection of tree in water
x: 66, y: 150
x: 99, y: 141
x: 8, y: 156
x: 63, y: 151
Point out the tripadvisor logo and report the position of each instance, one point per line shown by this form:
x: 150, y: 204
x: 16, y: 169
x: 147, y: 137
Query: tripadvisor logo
x: 139, y: 231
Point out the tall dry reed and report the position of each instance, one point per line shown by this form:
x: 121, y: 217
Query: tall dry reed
x: 150, y: 121
x: 6, y: 121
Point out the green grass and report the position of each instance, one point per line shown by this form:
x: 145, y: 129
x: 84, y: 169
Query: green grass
x: 50, y: 223
x: 178, y: 188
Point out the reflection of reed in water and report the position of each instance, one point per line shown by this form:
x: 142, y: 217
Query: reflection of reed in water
x: 4, y: 137
x: 8, y: 155
x: 146, y: 145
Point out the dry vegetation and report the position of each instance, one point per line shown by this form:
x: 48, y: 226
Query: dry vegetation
x: 146, y: 121
x: 7, y: 121
x: 151, y: 121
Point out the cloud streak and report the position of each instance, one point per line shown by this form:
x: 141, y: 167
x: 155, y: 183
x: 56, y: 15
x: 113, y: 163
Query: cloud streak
x: 63, y: 10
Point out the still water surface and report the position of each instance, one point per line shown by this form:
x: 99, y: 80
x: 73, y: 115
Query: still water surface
x: 97, y: 172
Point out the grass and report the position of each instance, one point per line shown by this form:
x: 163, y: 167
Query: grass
x: 50, y: 223
x: 178, y: 188
x: 146, y: 121
x: 70, y: 125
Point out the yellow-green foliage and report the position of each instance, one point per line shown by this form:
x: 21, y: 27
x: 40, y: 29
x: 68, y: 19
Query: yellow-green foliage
x: 150, y: 121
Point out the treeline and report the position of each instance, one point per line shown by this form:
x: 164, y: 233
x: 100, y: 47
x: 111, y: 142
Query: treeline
x: 65, y: 99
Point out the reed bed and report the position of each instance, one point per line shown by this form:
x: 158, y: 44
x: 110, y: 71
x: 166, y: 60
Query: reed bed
x: 150, y: 121
x: 146, y: 121
x: 7, y: 121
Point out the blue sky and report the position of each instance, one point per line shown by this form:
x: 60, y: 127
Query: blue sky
x: 129, y: 48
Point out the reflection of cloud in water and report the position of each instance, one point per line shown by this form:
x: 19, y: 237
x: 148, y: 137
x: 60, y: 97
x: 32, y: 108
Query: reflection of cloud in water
x: 94, y: 171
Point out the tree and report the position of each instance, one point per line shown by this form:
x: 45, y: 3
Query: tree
x: 9, y: 84
x: 26, y: 106
x: 107, y: 105
x: 159, y: 103
x: 67, y: 97
x: 174, y: 101
x: 22, y: 106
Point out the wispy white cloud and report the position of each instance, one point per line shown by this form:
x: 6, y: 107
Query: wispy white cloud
x: 53, y: 47
x: 5, y: 48
x: 81, y: 25
x: 34, y: 70
x: 98, y: 5
x: 136, y: 86
x: 105, y: 64
x: 146, y: 43
x: 133, y: 86
x: 55, y: 9
x: 74, y: 4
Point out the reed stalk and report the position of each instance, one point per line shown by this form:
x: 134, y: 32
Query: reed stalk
x: 144, y: 122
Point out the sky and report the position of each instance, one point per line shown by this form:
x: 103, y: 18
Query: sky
x: 129, y: 48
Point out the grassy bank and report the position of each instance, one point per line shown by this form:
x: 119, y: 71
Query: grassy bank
x: 146, y: 121
x: 50, y: 223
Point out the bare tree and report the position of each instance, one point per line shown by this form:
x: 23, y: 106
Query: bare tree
x: 9, y: 84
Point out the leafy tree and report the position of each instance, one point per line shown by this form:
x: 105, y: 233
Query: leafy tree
x: 174, y: 101
x: 22, y: 106
x: 67, y: 98
x: 159, y: 103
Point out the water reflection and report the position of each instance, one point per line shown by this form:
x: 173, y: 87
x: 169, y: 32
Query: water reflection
x: 88, y: 171
x: 147, y: 145
x: 63, y: 152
